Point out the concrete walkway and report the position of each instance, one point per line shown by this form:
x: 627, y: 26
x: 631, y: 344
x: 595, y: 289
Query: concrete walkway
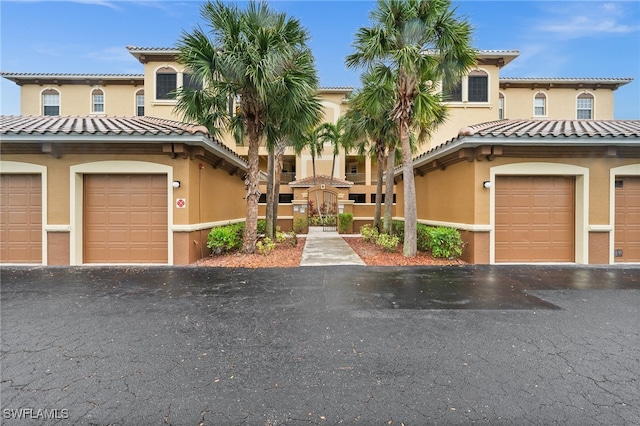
x: 324, y: 248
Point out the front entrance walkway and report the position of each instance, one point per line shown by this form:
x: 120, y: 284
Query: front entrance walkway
x: 327, y: 248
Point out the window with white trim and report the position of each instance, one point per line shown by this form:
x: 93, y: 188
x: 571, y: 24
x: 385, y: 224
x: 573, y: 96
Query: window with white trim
x: 50, y: 102
x: 166, y: 83
x: 478, y: 86
x: 97, y: 101
x: 540, y: 105
x: 140, y: 103
x: 584, y: 107
x: 453, y: 94
x: 500, y: 106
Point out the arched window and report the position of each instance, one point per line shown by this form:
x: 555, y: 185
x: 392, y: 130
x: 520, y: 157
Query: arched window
x: 584, y: 107
x: 166, y: 83
x: 500, y: 106
x: 478, y: 90
x: 50, y: 102
x: 140, y: 103
x: 540, y: 105
x: 97, y: 101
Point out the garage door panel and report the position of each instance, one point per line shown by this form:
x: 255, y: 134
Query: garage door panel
x: 535, y: 219
x: 129, y: 207
x: 627, y: 219
x: 21, y: 218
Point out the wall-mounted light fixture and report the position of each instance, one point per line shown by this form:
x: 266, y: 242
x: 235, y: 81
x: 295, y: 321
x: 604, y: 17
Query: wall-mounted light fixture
x: 486, y: 184
x: 176, y: 184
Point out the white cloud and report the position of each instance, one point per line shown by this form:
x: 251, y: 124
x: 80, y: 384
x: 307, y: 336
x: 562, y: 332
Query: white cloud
x: 575, y: 20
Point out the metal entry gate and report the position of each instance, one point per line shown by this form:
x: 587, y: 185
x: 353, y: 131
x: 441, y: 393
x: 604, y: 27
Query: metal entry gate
x: 326, y: 203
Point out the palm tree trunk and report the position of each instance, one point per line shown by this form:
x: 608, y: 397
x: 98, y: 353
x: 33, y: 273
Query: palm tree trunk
x: 388, y: 201
x: 251, y: 222
x: 269, y: 229
x: 333, y: 166
x: 380, y: 174
x: 410, y: 213
x: 276, y: 187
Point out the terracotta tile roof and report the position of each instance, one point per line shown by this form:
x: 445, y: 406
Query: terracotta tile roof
x: 30, y: 128
x: 566, y: 79
x: 55, y: 125
x: 537, y: 132
x: 151, y: 49
x: 555, y: 128
x: 10, y: 75
x: 308, y: 182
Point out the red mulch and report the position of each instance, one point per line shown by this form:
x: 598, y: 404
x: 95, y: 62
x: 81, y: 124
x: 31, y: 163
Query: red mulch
x: 374, y: 255
x: 286, y: 256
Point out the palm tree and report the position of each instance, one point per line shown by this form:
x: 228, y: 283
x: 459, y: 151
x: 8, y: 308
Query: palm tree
x: 311, y: 140
x: 422, y: 42
x: 255, y: 54
x: 283, y: 127
x: 333, y: 133
x: 368, y: 121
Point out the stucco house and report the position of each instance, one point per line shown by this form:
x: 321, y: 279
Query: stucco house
x: 86, y: 142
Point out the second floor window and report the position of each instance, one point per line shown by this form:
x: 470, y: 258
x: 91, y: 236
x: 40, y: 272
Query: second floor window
x: 584, y: 107
x: 190, y: 82
x: 166, y: 83
x: 454, y: 94
x: 51, y: 102
x: 140, y: 104
x: 540, y: 105
x: 97, y: 101
x: 478, y: 90
x: 501, y: 107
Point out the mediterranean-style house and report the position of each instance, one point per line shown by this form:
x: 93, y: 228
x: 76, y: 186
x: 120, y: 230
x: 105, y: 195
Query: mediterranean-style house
x: 100, y: 169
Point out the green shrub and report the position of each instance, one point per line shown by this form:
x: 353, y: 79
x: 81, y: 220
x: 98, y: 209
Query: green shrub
x: 225, y: 238
x: 299, y: 225
x: 344, y: 222
x: 388, y: 242
x: 422, y: 240
x: 397, y: 229
x: 266, y: 246
x: 262, y: 226
x: 280, y: 237
x: 369, y: 233
x: 444, y: 242
x: 292, y: 238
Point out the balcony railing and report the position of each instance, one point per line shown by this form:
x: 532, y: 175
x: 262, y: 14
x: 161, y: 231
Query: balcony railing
x: 357, y: 178
x: 287, y: 177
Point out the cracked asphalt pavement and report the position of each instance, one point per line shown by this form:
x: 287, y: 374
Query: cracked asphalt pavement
x: 321, y: 345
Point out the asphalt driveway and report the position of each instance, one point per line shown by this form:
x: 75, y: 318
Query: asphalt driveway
x: 320, y: 345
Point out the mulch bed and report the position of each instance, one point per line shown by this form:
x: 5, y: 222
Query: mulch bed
x: 287, y: 256
x: 374, y: 255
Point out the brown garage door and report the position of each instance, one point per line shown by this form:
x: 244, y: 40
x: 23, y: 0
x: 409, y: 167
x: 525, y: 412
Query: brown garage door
x: 125, y: 219
x: 627, y: 230
x: 20, y: 218
x: 534, y: 217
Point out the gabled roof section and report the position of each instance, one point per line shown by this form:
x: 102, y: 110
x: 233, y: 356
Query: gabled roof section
x: 554, y: 129
x: 160, y: 54
x: 499, y: 58
x: 59, y: 125
x: 309, y: 182
x: 560, y: 83
x: 537, y: 136
x: 130, y: 132
x: 22, y: 78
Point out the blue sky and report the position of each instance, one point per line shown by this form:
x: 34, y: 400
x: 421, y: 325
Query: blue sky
x: 555, y: 38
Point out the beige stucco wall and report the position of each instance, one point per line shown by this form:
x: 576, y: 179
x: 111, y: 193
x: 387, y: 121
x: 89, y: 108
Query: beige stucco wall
x: 75, y: 100
x: 561, y: 103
